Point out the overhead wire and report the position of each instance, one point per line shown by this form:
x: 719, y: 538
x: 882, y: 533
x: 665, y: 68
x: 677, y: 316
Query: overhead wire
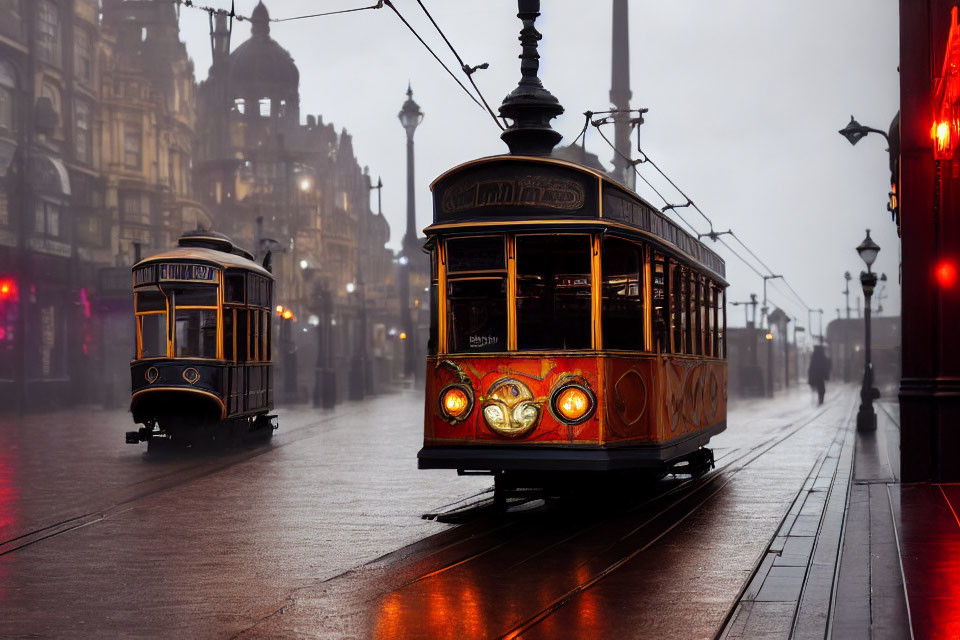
x: 467, y: 69
x: 666, y: 203
x: 378, y: 5
x: 690, y: 203
x: 432, y: 52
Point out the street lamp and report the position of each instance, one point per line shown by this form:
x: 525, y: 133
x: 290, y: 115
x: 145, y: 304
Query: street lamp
x: 410, y: 117
x: 866, y: 416
x: 854, y: 132
x: 763, y: 310
x: 846, y: 290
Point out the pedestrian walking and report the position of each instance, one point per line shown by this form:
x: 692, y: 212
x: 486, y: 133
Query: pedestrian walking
x: 819, y: 372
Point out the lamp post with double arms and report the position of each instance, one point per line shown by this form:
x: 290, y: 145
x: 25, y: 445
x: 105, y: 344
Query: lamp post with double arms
x: 866, y: 416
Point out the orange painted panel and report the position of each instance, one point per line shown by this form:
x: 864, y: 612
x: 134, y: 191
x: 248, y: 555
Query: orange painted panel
x: 640, y: 399
x: 539, y: 374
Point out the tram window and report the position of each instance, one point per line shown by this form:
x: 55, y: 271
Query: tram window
x: 622, y: 295
x: 228, y: 335
x: 678, y: 309
x: 233, y: 291
x: 153, y: 335
x: 690, y: 311
x: 485, y: 253
x: 553, y: 292
x: 196, y: 333
x: 200, y: 296
x: 151, y: 300
x: 659, y: 298
x: 242, y: 335
x: 477, y: 314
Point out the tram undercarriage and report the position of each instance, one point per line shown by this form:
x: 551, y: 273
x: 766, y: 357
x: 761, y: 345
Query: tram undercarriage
x: 186, y: 432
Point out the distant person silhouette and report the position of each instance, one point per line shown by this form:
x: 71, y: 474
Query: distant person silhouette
x: 819, y: 372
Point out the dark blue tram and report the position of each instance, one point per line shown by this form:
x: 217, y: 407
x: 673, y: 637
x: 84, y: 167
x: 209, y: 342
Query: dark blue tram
x: 203, y: 355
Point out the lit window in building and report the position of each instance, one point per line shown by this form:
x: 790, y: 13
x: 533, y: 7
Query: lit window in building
x: 346, y: 201
x: 82, y: 55
x: 8, y: 84
x: 131, y: 146
x: 48, y: 32
x: 264, y: 107
x: 239, y: 105
x: 82, y: 131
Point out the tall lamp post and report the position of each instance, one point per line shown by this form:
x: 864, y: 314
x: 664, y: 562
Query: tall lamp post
x: 866, y: 416
x: 410, y: 117
x: 769, y: 337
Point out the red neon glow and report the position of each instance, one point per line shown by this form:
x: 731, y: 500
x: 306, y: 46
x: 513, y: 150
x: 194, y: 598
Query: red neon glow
x: 85, y: 303
x: 946, y: 274
x: 945, y: 130
x: 8, y: 289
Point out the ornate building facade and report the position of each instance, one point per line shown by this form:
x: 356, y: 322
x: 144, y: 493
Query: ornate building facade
x: 97, y: 114
x: 295, y: 189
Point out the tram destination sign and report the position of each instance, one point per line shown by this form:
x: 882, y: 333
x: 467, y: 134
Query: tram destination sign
x: 507, y: 189
x: 174, y: 271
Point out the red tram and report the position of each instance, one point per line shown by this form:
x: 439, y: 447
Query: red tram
x: 203, y: 362
x: 574, y: 327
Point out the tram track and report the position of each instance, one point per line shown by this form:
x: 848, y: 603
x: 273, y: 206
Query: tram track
x: 725, y: 474
x: 169, y: 481
x: 660, y: 513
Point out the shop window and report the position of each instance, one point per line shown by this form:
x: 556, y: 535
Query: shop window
x: 553, y: 292
x: 48, y: 32
x: 622, y: 309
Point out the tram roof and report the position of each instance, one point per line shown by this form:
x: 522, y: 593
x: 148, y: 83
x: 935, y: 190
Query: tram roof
x: 206, y: 255
x: 614, y: 204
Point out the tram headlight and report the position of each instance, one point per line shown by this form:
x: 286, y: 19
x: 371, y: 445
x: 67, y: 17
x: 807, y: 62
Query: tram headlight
x: 456, y: 402
x: 572, y: 403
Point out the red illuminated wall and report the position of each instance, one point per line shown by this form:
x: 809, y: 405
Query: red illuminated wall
x: 930, y: 234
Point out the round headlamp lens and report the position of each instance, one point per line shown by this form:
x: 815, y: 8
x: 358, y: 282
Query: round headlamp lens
x: 572, y: 403
x: 455, y: 402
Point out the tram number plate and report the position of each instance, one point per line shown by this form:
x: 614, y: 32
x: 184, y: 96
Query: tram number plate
x: 194, y: 272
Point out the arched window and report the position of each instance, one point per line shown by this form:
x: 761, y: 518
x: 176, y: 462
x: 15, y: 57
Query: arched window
x: 50, y: 90
x: 8, y: 86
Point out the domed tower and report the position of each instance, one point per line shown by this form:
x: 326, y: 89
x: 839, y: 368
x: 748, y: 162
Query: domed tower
x: 263, y: 80
x: 250, y: 109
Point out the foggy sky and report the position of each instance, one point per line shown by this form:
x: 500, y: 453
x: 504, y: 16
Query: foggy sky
x: 745, y: 99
